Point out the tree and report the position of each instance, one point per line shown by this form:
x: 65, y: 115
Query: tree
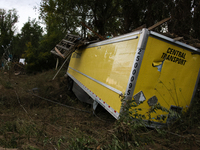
x: 29, y: 42
x: 104, y: 14
x: 132, y: 14
x: 58, y: 16
x: 31, y: 32
x: 7, y: 28
x: 196, y: 22
x: 181, y: 17
x: 119, y: 16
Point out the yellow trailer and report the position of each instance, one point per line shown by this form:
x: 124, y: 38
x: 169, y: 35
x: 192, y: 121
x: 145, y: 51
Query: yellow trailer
x: 144, y: 65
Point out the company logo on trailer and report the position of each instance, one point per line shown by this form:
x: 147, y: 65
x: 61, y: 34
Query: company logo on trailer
x: 174, y: 56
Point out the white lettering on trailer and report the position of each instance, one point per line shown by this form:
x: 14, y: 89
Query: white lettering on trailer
x: 134, y: 71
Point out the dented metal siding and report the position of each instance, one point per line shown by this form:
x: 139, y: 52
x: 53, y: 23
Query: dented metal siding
x: 168, y: 74
x: 136, y: 64
x: 143, y: 65
x: 104, y: 68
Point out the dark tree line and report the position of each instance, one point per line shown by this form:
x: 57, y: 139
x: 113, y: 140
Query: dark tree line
x: 121, y: 16
x: 106, y: 17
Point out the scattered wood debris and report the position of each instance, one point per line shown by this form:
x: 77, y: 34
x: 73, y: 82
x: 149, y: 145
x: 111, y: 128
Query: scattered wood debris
x: 19, y: 68
x: 185, y: 38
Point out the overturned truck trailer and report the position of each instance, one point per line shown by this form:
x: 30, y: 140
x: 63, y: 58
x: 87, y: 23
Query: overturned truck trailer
x: 144, y: 65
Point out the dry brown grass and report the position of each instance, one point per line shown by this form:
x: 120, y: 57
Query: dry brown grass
x: 30, y: 123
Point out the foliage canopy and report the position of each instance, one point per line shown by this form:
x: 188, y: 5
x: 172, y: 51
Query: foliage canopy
x: 7, y: 28
x: 120, y: 16
x: 107, y: 18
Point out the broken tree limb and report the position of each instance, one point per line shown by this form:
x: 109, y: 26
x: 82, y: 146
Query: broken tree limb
x: 93, y: 31
x: 59, y: 53
x: 178, y: 38
x: 159, y: 23
x: 57, y: 64
x: 61, y: 66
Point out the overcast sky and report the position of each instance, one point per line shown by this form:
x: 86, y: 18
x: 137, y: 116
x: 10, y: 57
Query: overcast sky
x: 25, y: 9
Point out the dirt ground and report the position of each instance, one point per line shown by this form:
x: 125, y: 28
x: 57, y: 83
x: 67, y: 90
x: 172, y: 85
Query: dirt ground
x: 40, y: 114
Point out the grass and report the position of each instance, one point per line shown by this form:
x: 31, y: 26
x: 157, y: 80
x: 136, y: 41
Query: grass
x: 29, y: 123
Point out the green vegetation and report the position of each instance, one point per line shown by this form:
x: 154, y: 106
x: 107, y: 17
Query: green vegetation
x: 7, y: 28
x: 30, y: 123
x: 107, y: 18
x: 27, y: 122
x: 116, y: 17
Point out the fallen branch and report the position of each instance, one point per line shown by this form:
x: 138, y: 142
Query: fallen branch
x: 159, y: 23
x: 59, y: 53
x: 61, y: 66
x: 178, y: 38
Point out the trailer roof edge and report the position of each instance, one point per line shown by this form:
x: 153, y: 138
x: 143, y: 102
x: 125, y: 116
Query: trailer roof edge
x: 191, y: 48
x: 128, y: 36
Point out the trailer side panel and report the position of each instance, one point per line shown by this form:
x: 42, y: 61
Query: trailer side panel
x: 168, y: 75
x: 103, y: 71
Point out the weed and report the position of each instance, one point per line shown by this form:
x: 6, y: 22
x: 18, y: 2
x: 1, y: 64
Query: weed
x: 8, y: 127
x: 47, y: 140
x: 57, y: 127
x: 81, y: 143
x: 60, y: 140
x: 6, y: 83
x: 115, y: 145
x: 128, y: 129
x: 9, y: 141
x: 26, y: 128
x: 131, y: 130
x: 31, y: 148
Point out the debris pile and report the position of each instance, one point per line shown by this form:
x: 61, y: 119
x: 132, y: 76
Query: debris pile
x: 19, y: 68
x: 68, y: 45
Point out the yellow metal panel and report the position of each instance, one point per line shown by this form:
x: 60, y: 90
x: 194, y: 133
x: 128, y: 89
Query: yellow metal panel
x: 110, y: 97
x: 110, y: 64
x: 173, y: 83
